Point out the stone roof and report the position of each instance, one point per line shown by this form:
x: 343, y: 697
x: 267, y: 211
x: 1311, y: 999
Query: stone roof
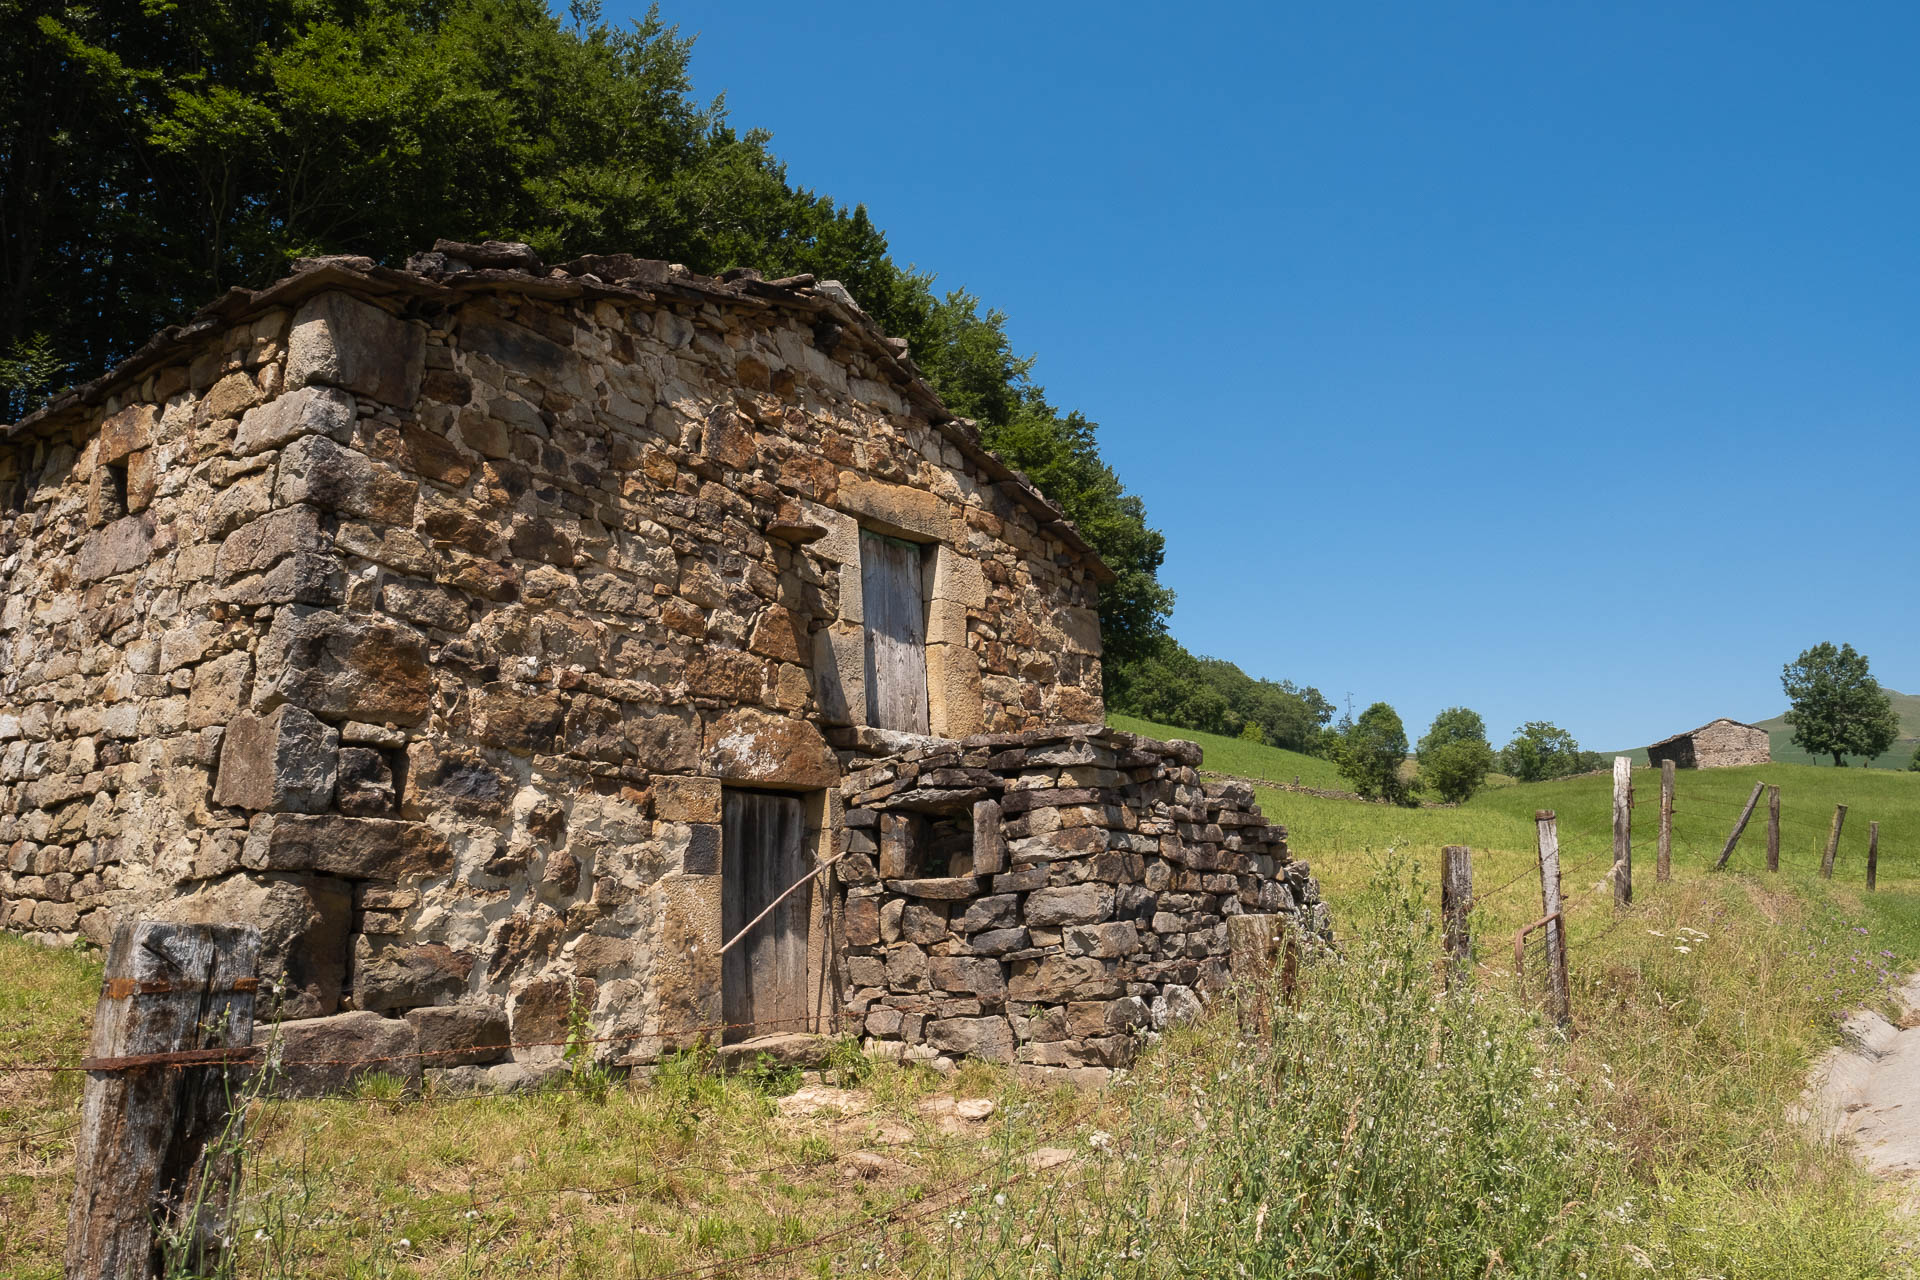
x: 452, y: 272
x: 1739, y: 724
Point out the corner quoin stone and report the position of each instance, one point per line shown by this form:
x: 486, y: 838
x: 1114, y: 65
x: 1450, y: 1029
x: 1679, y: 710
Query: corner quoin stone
x: 340, y: 341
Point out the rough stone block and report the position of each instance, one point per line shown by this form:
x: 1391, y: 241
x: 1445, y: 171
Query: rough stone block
x: 406, y: 977
x: 365, y: 786
x: 995, y: 942
x: 954, y: 703
x: 957, y: 577
x: 219, y: 689
x: 315, y: 470
x: 518, y: 718
x: 343, y: 1049
x: 1104, y: 941
x: 120, y: 547
x: 358, y: 848
x: 989, y: 1039
x: 896, y: 509
x: 543, y: 1009
x: 970, y: 974
x: 466, y: 1034
x: 998, y: 911
x: 750, y: 746
x: 683, y: 799
x: 304, y: 411
x: 286, y: 760
x: 443, y: 775
x: 340, y: 341
x: 124, y: 432
x: 1058, y: 979
x: 1069, y: 904
x: 344, y: 667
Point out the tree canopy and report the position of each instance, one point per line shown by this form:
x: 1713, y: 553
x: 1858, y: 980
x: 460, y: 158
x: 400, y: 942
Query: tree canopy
x: 1455, y: 756
x: 1540, y: 750
x: 1172, y: 686
x: 1838, y: 709
x: 152, y: 155
x: 1370, y: 752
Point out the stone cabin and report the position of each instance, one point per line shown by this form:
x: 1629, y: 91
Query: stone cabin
x: 503, y: 639
x: 1718, y: 744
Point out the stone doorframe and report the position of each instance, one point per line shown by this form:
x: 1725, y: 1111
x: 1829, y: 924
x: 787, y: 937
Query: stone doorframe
x: 765, y: 752
x: 954, y: 585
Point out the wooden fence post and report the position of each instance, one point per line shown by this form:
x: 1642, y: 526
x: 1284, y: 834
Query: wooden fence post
x: 175, y: 1019
x: 1873, y: 854
x: 1833, y: 841
x: 1663, y: 869
x: 1773, y: 828
x: 1456, y: 902
x: 1746, y: 816
x: 1547, y: 833
x: 1622, y: 832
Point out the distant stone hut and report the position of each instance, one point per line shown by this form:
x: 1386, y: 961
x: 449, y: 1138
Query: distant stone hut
x: 1718, y: 744
x: 504, y: 639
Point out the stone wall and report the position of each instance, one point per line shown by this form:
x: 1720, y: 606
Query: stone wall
x: 1044, y: 898
x: 420, y: 617
x: 1720, y: 745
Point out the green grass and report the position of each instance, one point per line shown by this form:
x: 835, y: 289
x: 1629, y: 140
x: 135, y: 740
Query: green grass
x: 1245, y: 759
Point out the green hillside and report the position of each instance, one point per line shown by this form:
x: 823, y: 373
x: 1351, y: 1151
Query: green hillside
x: 1780, y: 740
x: 1245, y: 759
x: 1905, y: 705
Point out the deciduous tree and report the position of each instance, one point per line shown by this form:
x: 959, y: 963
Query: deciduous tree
x: 1540, y: 750
x: 1371, y: 752
x: 1838, y: 709
x: 1455, y: 756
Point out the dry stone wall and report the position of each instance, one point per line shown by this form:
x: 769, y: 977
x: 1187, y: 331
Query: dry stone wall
x: 1045, y: 898
x: 420, y: 617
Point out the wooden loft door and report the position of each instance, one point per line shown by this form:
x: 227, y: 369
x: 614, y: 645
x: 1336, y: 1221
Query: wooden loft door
x: 894, y: 599
x: 763, y: 979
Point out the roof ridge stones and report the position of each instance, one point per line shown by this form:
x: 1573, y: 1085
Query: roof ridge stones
x: 454, y: 269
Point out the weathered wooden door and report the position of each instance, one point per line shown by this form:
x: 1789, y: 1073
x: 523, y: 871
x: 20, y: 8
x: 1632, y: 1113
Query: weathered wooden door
x: 895, y: 605
x: 763, y: 980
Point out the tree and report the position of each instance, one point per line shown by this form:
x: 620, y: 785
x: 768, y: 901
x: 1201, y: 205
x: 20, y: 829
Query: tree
x: 1370, y: 753
x: 1838, y: 709
x: 1540, y: 750
x: 1455, y: 756
x: 153, y: 155
x: 1913, y: 766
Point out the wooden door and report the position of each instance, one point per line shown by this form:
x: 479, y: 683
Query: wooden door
x: 763, y: 980
x: 892, y: 595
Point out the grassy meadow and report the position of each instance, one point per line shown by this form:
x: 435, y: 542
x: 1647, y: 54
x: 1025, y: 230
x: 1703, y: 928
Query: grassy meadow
x: 1372, y: 1125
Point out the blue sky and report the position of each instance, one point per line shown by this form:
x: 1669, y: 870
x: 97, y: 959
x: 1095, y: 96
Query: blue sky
x: 1558, y: 360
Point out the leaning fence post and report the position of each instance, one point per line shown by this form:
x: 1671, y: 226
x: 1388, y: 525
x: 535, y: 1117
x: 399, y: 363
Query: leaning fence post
x: 1873, y: 854
x: 1456, y: 902
x: 1833, y: 841
x: 1739, y: 828
x: 175, y: 1019
x: 1663, y: 868
x: 1547, y: 833
x: 1773, y: 828
x: 1622, y: 831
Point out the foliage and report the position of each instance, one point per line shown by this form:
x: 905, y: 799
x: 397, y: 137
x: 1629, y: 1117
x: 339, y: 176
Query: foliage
x: 1370, y: 752
x: 1370, y: 1126
x: 152, y: 155
x: 1455, y: 756
x: 1169, y: 685
x: 1913, y: 766
x: 1541, y: 750
x: 1839, y: 709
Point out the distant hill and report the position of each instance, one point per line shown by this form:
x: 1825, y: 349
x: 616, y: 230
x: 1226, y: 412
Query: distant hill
x: 1780, y: 739
x: 1905, y: 705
